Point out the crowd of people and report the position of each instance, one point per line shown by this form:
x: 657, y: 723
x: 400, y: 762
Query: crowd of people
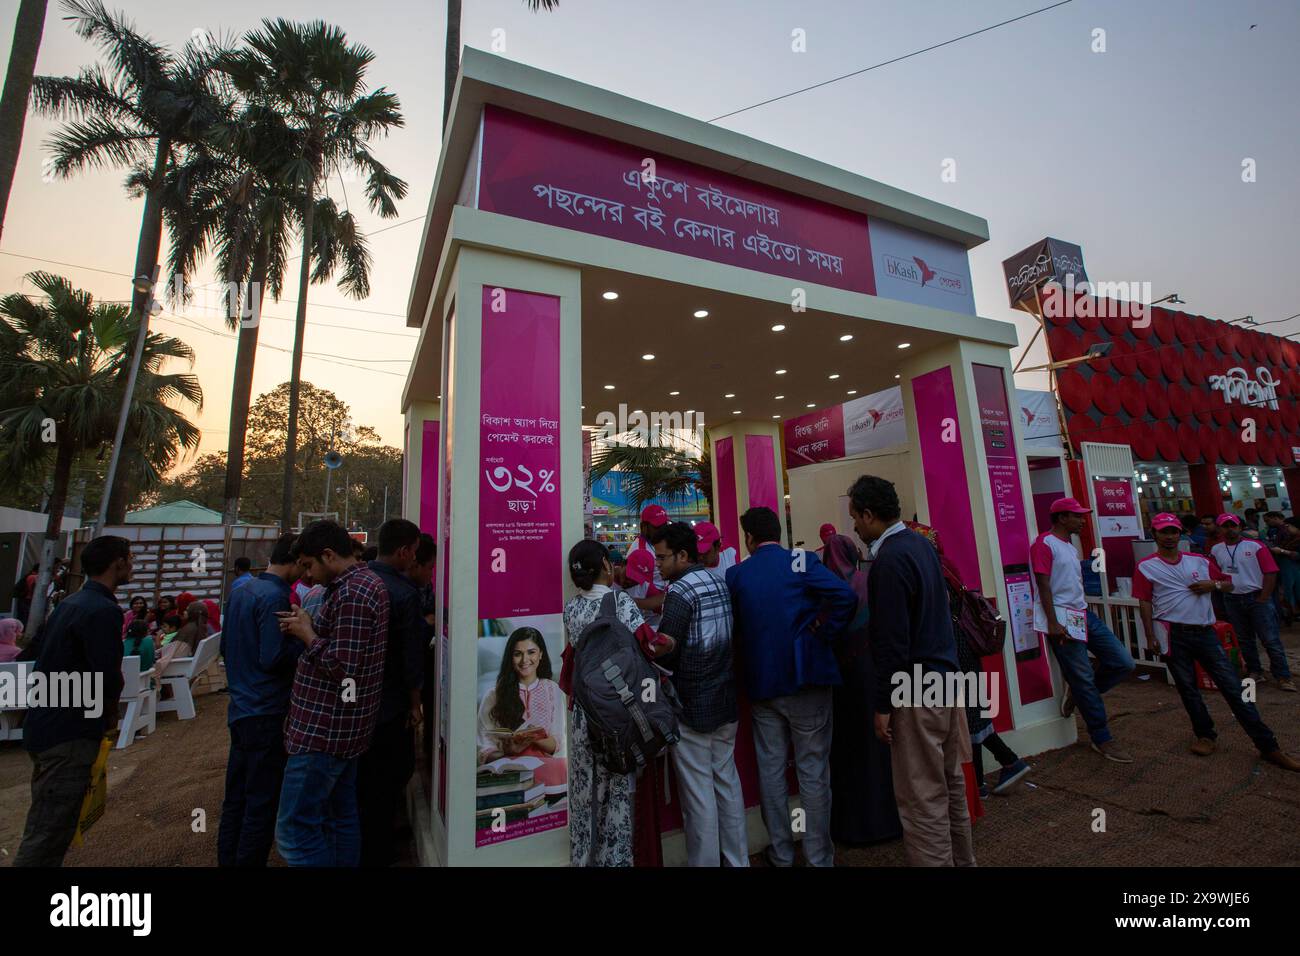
x: 326, y: 653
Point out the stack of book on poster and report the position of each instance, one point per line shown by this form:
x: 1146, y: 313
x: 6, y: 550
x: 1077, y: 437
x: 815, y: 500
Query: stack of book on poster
x: 506, y: 787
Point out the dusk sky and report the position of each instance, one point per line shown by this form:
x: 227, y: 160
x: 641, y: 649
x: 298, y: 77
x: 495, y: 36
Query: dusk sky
x: 1135, y: 153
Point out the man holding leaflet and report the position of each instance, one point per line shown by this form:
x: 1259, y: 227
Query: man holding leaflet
x: 1174, y: 589
x: 1061, y: 612
x: 1250, y: 604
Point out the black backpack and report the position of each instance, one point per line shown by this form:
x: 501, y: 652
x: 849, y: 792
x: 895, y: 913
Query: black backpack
x: 610, y: 677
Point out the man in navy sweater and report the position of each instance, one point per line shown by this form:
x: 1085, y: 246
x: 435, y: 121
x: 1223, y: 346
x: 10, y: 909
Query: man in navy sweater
x: 911, y: 635
x: 789, y: 668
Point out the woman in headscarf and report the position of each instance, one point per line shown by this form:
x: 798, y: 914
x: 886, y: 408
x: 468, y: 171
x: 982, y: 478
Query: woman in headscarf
x: 863, y: 809
x: 10, y: 630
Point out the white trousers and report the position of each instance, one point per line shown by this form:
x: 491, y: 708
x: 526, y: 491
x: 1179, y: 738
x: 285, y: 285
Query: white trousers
x: 712, y: 805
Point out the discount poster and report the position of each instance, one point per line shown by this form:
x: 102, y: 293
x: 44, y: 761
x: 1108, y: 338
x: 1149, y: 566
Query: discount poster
x: 521, y: 768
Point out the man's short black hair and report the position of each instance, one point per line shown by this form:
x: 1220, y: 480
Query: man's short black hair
x: 876, y: 495
x: 101, y: 552
x: 242, y: 564
x: 426, y: 550
x: 395, y: 534
x: 679, y: 536
x: 324, y: 534
x: 762, y: 524
x: 283, y: 552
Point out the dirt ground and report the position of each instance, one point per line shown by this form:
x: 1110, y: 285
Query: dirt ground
x: 1169, y: 808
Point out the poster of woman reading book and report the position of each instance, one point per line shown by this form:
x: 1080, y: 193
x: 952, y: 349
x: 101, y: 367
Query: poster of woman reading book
x: 522, y: 775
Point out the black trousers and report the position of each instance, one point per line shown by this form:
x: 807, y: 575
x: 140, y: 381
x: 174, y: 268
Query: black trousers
x: 254, y: 773
x: 382, y: 774
x: 998, y: 748
x: 60, y: 776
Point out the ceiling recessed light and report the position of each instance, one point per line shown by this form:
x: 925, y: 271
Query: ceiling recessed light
x: 736, y: 412
x: 649, y: 356
x: 610, y: 295
x: 674, y: 393
x: 811, y: 405
x: 896, y: 376
x: 846, y: 338
x: 778, y: 397
x: 780, y: 371
x: 638, y: 412
x: 701, y: 313
x: 776, y: 416
x: 853, y: 391
x: 778, y: 328
x: 730, y: 395
x: 834, y: 376
x: 904, y: 345
x: 609, y: 388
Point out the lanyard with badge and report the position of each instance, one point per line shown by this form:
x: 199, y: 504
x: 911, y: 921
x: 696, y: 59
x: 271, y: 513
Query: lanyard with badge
x: 1232, y: 557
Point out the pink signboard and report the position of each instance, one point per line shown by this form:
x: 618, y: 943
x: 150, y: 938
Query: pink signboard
x: 944, y: 466
x: 817, y: 436
x: 760, y: 466
x: 553, y: 174
x: 429, y: 479
x: 1117, y: 524
x: 521, y: 570
x: 725, y: 490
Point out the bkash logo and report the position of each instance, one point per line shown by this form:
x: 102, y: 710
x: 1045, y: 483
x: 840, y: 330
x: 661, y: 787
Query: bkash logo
x: 920, y: 272
x: 926, y: 272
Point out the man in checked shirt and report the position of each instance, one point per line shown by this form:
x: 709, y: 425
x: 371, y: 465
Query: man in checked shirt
x: 697, y: 615
x: 334, y: 704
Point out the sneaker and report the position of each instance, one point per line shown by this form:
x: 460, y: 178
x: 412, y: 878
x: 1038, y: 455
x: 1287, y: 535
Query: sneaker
x: 984, y: 791
x: 1285, y: 761
x: 1287, y: 684
x: 1203, y: 747
x: 1259, y: 677
x: 1067, y: 702
x: 1110, y: 751
x: 1007, y: 779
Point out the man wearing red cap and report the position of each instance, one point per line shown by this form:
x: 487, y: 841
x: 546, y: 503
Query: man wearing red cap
x: 640, y: 574
x: 713, y: 556
x: 1174, y: 589
x: 1061, y: 612
x: 652, y: 517
x: 1250, y: 603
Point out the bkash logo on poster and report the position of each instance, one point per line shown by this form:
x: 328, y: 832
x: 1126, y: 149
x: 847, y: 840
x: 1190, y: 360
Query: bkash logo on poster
x: 917, y: 271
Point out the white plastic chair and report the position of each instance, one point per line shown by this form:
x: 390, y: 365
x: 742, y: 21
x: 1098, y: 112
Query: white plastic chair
x: 14, y: 671
x: 141, y: 701
x: 182, y: 672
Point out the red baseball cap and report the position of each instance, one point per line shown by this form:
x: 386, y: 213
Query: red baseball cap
x: 1227, y: 518
x: 706, y: 534
x: 826, y: 530
x: 640, y: 566
x: 655, y: 515
x: 1068, y: 504
x: 1166, y: 520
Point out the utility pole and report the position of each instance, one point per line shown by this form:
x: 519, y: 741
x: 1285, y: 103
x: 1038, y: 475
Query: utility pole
x: 385, y: 503
x: 347, y: 500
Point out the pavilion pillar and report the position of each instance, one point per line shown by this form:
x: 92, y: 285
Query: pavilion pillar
x: 1207, y: 493
x: 746, y: 463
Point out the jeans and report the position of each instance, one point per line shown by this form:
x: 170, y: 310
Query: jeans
x: 1252, y: 620
x: 254, y: 775
x: 1190, y: 644
x: 1114, y: 663
x: 713, y: 808
x: 804, y: 721
x: 318, y: 823
x: 60, y: 775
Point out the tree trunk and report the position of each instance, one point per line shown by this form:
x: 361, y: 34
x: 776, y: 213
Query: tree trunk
x: 53, y: 527
x: 452, y: 62
x: 242, y: 390
x: 146, y: 261
x: 18, y: 88
x: 295, y: 376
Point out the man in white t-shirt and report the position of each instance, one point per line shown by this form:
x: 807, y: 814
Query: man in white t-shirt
x: 715, y: 558
x: 1174, y: 589
x: 1061, y: 612
x: 1250, y: 604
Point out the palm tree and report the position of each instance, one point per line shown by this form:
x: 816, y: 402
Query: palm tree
x: 654, y: 470
x: 315, y: 79
x: 451, y: 63
x: 230, y: 198
x: 142, y: 110
x: 62, y: 374
x: 18, y: 87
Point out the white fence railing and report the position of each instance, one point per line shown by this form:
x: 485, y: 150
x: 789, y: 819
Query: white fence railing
x: 1126, y: 622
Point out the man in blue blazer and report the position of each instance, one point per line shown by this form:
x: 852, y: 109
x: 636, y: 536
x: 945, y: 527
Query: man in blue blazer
x: 788, y: 665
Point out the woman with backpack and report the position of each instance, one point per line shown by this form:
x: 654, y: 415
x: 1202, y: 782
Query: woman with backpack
x: 601, y: 812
